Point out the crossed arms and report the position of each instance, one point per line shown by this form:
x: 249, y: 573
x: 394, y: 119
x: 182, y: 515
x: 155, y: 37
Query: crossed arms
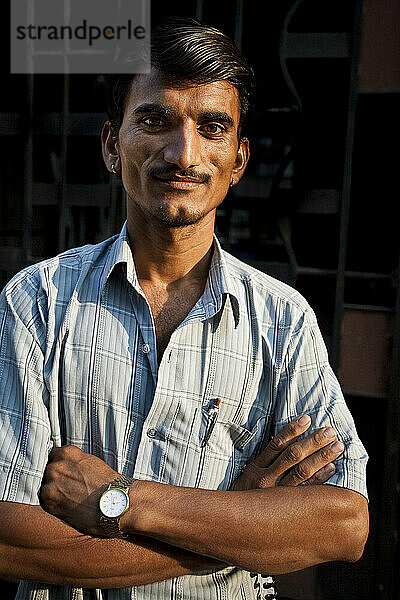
x: 269, y: 522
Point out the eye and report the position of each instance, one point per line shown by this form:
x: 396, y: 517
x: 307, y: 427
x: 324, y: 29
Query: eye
x: 152, y: 121
x: 212, y: 128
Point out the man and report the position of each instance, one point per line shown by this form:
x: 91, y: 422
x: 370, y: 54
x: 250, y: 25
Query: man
x: 156, y: 356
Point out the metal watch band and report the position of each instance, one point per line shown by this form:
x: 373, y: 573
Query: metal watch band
x: 109, y: 525
x: 121, y: 482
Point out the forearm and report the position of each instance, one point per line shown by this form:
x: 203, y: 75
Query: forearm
x: 34, y: 545
x: 273, y: 530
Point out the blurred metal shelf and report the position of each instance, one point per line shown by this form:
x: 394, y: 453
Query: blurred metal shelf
x: 77, y: 194
x: 85, y: 124
x: 318, y: 45
x: 11, y: 124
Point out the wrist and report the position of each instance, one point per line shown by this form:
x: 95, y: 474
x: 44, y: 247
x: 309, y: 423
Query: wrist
x: 113, y: 503
x: 131, y: 522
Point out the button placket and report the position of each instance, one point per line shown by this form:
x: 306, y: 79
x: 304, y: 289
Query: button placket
x: 153, y: 445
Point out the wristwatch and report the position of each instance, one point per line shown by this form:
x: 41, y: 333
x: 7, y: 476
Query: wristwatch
x: 113, y: 503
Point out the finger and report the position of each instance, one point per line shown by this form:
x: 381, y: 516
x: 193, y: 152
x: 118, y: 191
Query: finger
x: 296, y: 452
x: 309, y: 466
x: 282, y: 440
x: 321, y: 476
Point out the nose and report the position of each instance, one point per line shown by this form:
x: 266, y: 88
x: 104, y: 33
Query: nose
x: 183, y: 148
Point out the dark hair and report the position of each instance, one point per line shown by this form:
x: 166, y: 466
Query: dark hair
x: 190, y: 52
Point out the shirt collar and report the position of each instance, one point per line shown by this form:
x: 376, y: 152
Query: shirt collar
x: 221, y: 280
x: 120, y: 253
x: 219, y: 284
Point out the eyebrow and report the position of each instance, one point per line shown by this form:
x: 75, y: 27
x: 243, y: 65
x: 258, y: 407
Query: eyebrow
x: 167, y: 111
x: 154, y: 107
x: 217, y: 115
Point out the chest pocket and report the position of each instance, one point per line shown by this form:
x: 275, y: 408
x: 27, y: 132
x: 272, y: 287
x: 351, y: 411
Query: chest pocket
x: 228, y: 449
x: 241, y: 428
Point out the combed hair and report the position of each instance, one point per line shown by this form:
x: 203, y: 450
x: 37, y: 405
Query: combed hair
x: 189, y: 52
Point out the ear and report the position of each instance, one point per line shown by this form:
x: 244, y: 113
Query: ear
x: 110, y: 149
x: 242, y: 158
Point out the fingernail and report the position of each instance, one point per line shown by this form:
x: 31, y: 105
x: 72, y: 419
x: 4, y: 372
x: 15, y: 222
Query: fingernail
x: 329, y: 432
x: 337, y: 447
x: 329, y: 468
x: 304, y: 420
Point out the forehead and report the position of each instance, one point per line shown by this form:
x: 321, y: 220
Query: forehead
x: 183, y: 97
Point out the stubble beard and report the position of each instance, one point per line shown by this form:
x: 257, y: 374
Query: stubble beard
x: 181, y: 219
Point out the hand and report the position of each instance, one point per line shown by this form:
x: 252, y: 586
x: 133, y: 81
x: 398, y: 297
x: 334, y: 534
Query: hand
x: 72, y: 485
x: 288, y: 462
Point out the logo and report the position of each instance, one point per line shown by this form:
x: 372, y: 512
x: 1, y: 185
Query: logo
x: 80, y: 36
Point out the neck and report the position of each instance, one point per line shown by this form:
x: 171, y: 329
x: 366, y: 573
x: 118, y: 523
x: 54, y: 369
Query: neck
x: 171, y: 255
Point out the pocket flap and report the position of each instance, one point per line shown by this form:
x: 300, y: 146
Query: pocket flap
x: 239, y: 435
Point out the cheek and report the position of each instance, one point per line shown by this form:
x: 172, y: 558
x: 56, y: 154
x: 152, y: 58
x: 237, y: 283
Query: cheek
x: 223, y: 164
x: 135, y: 157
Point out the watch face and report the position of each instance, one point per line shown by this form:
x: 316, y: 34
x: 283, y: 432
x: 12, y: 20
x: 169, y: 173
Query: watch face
x: 113, y: 503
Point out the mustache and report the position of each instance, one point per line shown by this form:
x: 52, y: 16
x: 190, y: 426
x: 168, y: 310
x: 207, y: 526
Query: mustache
x: 173, y: 171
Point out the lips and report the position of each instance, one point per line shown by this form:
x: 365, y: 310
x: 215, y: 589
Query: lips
x: 180, y: 183
x: 181, y: 179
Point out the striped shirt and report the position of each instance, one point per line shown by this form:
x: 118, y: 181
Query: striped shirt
x: 78, y: 365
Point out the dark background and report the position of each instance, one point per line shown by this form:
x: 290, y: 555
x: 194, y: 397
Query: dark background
x: 316, y: 209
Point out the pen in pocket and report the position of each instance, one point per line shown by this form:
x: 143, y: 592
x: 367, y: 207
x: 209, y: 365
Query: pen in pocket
x: 212, y: 419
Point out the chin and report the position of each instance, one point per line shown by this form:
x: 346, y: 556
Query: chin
x: 179, y: 218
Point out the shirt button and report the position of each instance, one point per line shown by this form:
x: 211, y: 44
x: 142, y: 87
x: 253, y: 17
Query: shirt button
x: 152, y: 432
x: 146, y: 348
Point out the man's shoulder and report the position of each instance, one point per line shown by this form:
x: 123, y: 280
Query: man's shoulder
x: 264, y: 287
x: 63, y: 269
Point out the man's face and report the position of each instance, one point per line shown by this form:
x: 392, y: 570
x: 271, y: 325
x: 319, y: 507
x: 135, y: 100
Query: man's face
x: 179, y: 149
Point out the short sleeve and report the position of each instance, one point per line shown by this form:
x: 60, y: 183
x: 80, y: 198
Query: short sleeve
x: 308, y: 385
x: 24, y: 424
